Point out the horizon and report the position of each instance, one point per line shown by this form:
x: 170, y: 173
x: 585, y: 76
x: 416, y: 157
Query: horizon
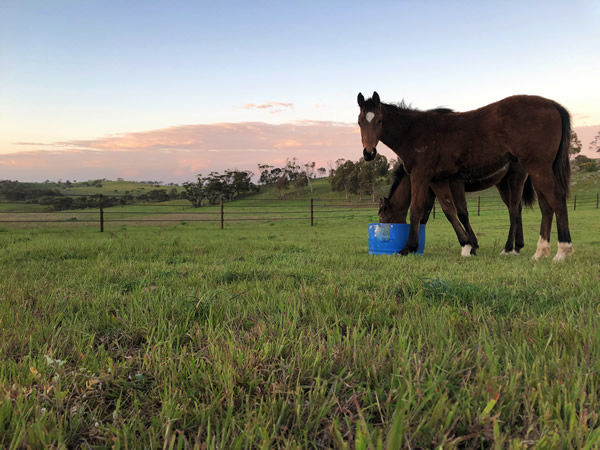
x: 155, y: 91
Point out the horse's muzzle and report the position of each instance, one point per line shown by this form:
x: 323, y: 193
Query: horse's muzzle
x: 369, y: 156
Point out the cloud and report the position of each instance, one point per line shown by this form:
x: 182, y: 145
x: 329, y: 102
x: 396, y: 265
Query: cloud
x: 273, y: 107
x: 179, y: 153
x: 247, y: 136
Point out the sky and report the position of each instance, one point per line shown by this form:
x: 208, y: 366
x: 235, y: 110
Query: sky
x: 149, y: 90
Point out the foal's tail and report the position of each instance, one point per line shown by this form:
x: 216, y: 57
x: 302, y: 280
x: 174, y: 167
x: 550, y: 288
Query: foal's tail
x: 528, y: 193
x: 561, y: 166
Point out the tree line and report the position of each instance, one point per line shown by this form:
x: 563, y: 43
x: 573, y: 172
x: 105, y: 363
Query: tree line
x: 54, y: 199
x: 233, y: 184
x: 361, y: 177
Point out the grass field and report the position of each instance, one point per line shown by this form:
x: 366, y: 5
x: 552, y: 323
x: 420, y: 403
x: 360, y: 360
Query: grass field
x: 279, y: 334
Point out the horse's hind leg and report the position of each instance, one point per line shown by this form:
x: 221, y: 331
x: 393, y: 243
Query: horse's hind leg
x: 511, y: 191
x: 543, y: 245
x: 519, y: 238
x: 504, y: 191
x: 444, y: 195
x: 552, y: 200
x: 565, y: 247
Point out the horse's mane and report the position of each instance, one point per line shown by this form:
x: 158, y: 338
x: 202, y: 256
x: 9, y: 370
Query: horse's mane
x: 403, y: 106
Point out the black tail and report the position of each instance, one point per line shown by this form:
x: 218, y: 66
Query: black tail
x: 561, y: 166
x: 528, y: 193
x: 399, y: 174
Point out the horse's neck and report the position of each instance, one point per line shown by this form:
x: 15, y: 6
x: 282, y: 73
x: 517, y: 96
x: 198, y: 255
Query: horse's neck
x: 399, y: 196
x: 397, y: 123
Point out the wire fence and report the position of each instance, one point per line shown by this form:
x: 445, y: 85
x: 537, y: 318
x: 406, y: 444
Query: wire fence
x: 310, y: 211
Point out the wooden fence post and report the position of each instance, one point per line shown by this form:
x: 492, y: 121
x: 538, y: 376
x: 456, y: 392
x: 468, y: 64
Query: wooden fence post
x: 100, y: 204
x: 312, y: 213
x: 222, y: 214
x: 574, y: 202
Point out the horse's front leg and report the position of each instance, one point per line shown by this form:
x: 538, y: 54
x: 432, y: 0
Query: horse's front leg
x: 429, y: 201
x: 444, y: 195
x: 457, y: 188
x: 419, y: 196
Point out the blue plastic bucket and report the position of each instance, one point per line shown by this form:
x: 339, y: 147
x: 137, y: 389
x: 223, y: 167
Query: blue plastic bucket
x: 390, y: 238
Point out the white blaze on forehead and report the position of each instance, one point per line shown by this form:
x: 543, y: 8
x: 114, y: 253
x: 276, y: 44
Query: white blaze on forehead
x: 370, y: 116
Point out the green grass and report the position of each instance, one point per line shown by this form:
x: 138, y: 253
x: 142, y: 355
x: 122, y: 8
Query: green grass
x: 279, y: 334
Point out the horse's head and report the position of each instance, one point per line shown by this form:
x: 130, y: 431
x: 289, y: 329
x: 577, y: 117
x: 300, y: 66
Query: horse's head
x: 370, y: 121
x: 385, y: 211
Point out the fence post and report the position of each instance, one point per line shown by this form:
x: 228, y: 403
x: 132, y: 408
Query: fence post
x: 597, y: 200
x: 478, y: 205
x: 312, y: 213
x: 222, y: 214
x: 100, y: 204
x: 574, y: 202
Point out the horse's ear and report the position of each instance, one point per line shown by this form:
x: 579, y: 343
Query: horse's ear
x: 361, y: 100
x: 376, y: 98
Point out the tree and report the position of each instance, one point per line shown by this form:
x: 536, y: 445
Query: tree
x: 585, y: 164
x: 292, y: 169
x: 194, y: 192
x: 574, y: 144
x: 239, y: 181
x: 269, y: 174
x: 302, y: 180
x: 309, y: 169
x: 595, y: 144
x: 282, y: 184
x: 158, y: 195
x: 345, y: 177
x: 369, y: 172
x: 216, y: 188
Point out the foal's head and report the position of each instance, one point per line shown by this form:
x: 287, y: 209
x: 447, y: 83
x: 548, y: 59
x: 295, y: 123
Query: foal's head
x: 370, y: 121
x: 385, y: 211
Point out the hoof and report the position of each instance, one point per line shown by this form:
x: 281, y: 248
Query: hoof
x: 564, y: 249
x: 466, y: 250
x: 543, y: 249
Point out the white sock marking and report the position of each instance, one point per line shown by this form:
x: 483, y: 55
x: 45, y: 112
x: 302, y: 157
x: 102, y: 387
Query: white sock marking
x: 466, y: 250
x: 543, y: 249
x: 564, y: 249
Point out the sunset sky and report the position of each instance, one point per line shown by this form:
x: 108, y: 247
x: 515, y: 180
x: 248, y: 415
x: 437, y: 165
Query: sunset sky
x: 167, y: 90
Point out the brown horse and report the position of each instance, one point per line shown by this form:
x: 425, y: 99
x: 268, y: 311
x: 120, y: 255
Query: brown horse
x: 437, y: 149
x: 394, y: 207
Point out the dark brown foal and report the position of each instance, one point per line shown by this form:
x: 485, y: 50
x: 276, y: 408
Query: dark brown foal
x: 509, y: 182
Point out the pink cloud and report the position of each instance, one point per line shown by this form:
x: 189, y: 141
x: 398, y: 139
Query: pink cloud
x: 227, y: 136
x: 180, y: 153
x: 268, y: 105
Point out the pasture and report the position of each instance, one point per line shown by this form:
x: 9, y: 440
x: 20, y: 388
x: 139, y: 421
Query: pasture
x: 278, y: 334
